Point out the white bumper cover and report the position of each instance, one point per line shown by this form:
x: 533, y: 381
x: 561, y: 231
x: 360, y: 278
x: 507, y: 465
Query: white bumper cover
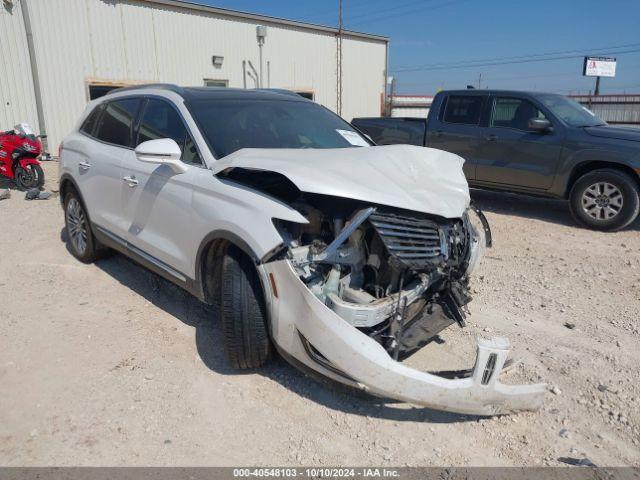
x: 362, y: 362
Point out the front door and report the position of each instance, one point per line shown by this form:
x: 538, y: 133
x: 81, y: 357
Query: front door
x: 156, y: 201
x: 510, y: 153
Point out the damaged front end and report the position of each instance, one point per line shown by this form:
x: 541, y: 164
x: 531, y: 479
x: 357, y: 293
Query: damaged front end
x: 378, y: 269
x: 378, y: 284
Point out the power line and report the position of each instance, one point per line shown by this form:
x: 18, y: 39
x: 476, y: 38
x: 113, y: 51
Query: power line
x: 522, y: 59
x: 402, y: 14
x: 557, y: 52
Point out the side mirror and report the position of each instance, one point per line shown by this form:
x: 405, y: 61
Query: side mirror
x: 164, y: 151
x: 541, y: 125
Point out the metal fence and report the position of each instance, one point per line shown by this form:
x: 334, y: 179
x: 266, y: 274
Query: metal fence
x: 614, y: 109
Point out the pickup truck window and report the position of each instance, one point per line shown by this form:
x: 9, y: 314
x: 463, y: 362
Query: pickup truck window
x: 463, y: 109
x: 230, y: 125
x: 509, y: 112
x: 571, y: 111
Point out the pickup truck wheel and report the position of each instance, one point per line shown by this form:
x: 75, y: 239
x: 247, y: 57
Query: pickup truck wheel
x: 605, y: 200
x: 243, y: 312
x: 79, y: 235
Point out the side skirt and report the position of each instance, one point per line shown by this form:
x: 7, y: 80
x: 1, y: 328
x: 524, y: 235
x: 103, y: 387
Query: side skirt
x: 148, y: 261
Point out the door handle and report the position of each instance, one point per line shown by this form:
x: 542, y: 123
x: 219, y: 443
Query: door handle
x: 131, y: 181
x: 84, y: 165
x: 491, y: 137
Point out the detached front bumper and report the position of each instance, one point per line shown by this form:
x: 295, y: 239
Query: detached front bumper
x: 351, y: 357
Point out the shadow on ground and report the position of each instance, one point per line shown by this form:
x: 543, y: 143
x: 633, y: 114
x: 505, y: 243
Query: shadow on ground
x: 202, y: 318
x: 526, y: 206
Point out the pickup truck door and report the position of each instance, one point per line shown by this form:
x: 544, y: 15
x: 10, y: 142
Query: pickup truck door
x: 456, y: 128
x: 156, y: 201
x: 510, y: 153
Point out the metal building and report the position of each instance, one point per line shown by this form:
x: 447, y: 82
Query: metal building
x: 57, y: 54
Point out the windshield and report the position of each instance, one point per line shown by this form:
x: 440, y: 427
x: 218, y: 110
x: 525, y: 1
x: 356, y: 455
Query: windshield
x: 232, y: 124
x: 571, y: 111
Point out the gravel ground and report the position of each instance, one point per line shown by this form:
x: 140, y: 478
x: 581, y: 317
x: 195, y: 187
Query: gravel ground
x: 107, y: 364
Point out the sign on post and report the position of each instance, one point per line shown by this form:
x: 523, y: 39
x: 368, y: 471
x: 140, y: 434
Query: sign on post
x: 599, y: 67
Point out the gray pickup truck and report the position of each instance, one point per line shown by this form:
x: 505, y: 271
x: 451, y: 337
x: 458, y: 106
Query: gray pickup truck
x: 532, y: 143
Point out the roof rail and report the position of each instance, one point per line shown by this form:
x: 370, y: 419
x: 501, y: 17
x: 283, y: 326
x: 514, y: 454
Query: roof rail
x: 161, y: 86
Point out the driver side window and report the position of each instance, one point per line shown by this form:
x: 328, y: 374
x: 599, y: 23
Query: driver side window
x: 160, y: 120
x: 514, y: 113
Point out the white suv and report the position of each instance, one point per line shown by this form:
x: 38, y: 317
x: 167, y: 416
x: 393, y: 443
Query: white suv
x: 344, y: 256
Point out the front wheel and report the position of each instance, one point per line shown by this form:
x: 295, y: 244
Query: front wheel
x: 29, y: 177
x: 605, y: 200
x: 243, y: 312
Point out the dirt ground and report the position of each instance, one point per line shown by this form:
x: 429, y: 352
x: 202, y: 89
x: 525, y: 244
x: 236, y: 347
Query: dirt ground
x: 107, y: 364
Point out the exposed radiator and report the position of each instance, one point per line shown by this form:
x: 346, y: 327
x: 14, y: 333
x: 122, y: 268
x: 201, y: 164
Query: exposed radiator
x: 414, y: 241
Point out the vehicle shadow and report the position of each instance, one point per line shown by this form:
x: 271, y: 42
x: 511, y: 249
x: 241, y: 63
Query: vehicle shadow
x: 528, y: 206
x: 187, y: 309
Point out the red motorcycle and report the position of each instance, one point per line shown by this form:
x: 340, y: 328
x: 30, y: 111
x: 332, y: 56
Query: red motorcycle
x: 19, y: 151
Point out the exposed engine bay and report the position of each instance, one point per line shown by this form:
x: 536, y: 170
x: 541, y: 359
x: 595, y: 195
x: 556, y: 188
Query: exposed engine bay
x: 400, y: 277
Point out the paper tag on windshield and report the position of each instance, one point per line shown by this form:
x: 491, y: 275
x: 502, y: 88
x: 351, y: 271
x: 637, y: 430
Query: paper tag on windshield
x: 353, y: 138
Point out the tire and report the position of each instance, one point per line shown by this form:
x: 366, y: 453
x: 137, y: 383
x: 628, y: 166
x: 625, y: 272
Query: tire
x: 81, y: 241
x: 605, y: 200
x: 243, y: 312
x: 31, y: 177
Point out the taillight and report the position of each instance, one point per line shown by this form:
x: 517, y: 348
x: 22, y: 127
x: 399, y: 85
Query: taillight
x: 60, y: 147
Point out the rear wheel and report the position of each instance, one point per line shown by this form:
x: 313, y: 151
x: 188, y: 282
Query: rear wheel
x: 243, y: 312
x: 81, y: 241
x: 605, y: 200
x: 29, y: 177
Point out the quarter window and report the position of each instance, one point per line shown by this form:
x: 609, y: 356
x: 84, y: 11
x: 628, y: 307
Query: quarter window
x: 463, y: 109
x: 89, y: 124
x: 161, y: 120
x: 116, y: 122
x: 514, y: 113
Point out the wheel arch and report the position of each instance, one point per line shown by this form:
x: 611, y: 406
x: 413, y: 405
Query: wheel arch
x: 207, y: 262
x: 590, y: 165
x: 67, y: 183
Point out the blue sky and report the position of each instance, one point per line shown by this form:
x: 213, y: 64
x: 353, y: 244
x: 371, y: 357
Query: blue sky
x: 426, y: 34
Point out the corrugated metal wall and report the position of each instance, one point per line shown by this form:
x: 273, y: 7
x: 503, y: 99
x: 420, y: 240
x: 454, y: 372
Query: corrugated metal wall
x: 82, y: 41
x: 17, y: 99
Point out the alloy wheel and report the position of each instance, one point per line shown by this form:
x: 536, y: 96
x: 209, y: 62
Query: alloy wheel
x: 77, y: 225
x: 602, y: 201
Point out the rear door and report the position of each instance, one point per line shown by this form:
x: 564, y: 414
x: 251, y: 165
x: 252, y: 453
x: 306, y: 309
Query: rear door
x: 456, y: 128
x: 156, y: 201
x: 99, y: 169
x: 510, y: 153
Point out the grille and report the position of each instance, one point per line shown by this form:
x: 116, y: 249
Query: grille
x: 415, y: 242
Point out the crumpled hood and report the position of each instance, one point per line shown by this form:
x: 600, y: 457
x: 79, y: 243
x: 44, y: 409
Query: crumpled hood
x: 403, y: 176
x: 618, y: 133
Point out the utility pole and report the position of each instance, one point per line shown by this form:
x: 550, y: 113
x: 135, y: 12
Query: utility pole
x: 339, y: 61
x: 480, y: 81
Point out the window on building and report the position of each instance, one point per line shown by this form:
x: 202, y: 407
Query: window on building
x: 305, y: 94
x: 463, y: 109
x: 97, y: 91
x: 514, y: 113
x: 117, y: 120
x: 211, y: 82
x: 161, y: 120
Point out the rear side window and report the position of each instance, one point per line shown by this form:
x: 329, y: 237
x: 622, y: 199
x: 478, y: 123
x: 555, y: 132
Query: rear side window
x: 463, y: 109
x: 117, y: 120
x: 90, y: 123
x: 161, y: 120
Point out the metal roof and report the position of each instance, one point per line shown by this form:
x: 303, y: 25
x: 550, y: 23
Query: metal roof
x: 264, y: 18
